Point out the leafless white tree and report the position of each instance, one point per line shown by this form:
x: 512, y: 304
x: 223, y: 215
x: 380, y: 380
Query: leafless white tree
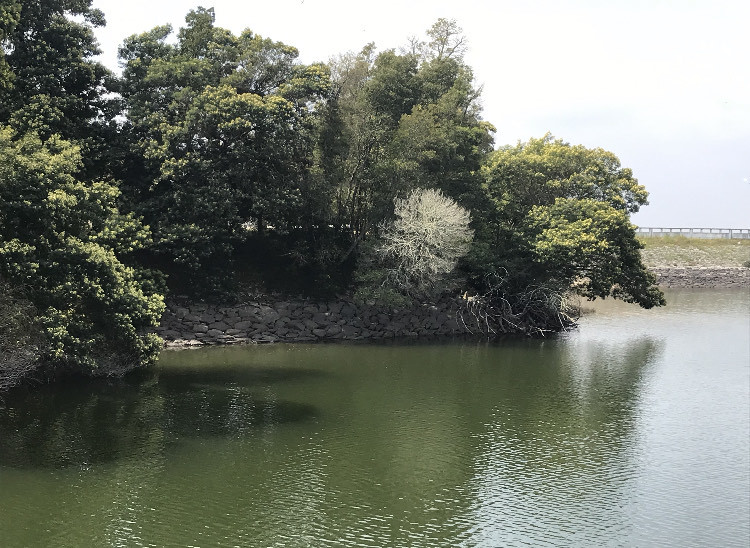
x: 426, y: 239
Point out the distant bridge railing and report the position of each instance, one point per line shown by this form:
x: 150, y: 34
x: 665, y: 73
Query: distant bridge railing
x: 728, y: 233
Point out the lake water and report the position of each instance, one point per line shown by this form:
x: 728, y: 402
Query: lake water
x: 633, y: 430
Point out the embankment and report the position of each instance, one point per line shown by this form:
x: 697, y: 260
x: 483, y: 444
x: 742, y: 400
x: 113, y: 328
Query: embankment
x: 255, y: 322
x: 297, y: 321
x: 702, y: 276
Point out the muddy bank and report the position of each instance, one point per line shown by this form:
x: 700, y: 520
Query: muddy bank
x: 702, y: 276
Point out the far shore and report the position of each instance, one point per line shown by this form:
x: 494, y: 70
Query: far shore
x: 693, y: 262
x: 677, y: 262
x: 702, y: 276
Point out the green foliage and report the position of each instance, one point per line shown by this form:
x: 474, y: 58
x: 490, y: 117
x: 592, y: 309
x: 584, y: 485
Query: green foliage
x: 592, y: 246
x: 539, y: 171
x: 221, y: 131
x: 559, y: 214
x: 372, y: 287
x: 393, y: 123
x: 227, y: 146
x: 10, y: 13
x: 57, y: 88
x: 65, y: 241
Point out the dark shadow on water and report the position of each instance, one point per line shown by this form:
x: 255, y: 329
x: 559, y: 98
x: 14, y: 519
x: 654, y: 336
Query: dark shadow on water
x: 96, y: 421
x: 465, y: 339
x: 222, y: 375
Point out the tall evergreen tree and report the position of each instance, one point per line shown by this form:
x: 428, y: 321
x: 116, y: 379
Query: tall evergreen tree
x: 64, y: 244
x: 58, y: 88
x: 221, y: 134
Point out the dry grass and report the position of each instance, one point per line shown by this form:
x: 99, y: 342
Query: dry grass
x: 682, y: 251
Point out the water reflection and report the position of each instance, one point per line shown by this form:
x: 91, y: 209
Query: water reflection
x: 631, y: 431
x: 97, y: 421
x: 554, y: 469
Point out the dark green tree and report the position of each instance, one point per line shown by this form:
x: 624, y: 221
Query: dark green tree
x: 10, y: 12
x: 558, y: 216
x: 221, y: 131
x: 65, y: 248
x: 57, y: 88
x: 63, y: 241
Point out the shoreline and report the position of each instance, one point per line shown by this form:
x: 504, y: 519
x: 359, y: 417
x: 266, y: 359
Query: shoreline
x: 265, y: 321
x: 702, y: 276
x: 197, y: 325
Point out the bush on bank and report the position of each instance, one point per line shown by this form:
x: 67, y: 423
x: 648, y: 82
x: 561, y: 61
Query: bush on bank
x: 62, y: 242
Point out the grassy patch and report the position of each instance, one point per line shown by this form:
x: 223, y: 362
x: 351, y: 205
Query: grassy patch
x: 682, y: 251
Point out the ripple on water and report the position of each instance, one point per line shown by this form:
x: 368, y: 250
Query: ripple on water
x: 632, y: 431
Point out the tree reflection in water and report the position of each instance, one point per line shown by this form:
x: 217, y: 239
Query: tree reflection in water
x: 88, y: 421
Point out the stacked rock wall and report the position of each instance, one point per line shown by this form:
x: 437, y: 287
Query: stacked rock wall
x: 295, y: 321
x: 696, y: 276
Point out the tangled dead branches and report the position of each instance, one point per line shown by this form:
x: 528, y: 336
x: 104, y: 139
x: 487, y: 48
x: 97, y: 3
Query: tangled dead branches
x: 21, y: 339
x: 535, y: 311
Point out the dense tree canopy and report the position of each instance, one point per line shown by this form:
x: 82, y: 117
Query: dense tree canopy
x: 56, y: 86
x: 221, y: 127
x: 62, y: 240
x: 558, y: 214
x: 10, y: 12
x: 213, y: 146
x: 64, y: 245
x: 395, y: 123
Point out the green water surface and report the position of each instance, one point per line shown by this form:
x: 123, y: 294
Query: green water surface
x: 633, y: 430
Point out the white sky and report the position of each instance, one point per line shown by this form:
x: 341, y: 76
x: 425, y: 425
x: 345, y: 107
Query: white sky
x: 665, y: 85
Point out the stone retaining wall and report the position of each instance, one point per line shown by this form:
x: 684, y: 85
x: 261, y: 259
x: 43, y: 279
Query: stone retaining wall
x: 295, y: 321
x: 702, y: 276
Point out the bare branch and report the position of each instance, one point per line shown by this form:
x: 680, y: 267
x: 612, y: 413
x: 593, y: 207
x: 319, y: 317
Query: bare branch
x: 21, y: 338
x: 430, y: 233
